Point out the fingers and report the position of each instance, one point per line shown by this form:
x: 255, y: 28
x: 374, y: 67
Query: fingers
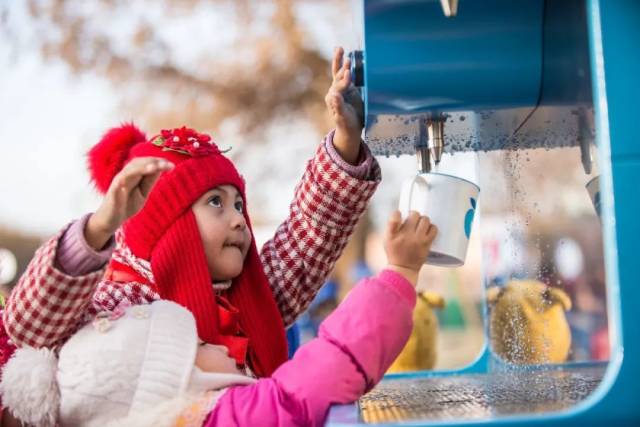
x: 432, y: 233
x: 340, y: 70
x: 336, y: 103
x: 414, y: 224
x: 147, y: 183
x: 342, y: 78
x: 138, y: 168
x: 338, y: 52
x: 411, y: 223
x: 426, y: 230
x: 423, y: 225
x: 121, y: 197
x: 394, y: 223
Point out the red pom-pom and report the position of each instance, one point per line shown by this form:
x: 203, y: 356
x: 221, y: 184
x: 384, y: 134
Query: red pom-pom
x: 108, y: 156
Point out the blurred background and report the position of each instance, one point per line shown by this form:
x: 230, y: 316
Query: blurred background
x: 254, y: 75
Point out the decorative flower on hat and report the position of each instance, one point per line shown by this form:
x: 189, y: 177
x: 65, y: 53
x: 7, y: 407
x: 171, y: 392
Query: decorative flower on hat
x: 186, y: 141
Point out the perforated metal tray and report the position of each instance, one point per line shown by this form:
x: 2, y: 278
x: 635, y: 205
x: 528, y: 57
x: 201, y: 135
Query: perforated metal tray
x: 478, y: 396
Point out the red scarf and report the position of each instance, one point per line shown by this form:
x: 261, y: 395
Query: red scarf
x: 254, y: 333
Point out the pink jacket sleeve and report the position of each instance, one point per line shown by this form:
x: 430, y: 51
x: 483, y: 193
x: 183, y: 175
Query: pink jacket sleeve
x: 75, y: 257
x: 356, y: 345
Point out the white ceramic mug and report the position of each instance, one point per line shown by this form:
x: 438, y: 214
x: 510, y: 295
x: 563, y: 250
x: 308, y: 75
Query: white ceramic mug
x: 593, y: 188
x: 450, y: 202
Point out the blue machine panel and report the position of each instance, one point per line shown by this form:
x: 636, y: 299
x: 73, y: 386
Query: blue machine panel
x: 410, y: 73
x: 417, y: 60
x: 496, y: 69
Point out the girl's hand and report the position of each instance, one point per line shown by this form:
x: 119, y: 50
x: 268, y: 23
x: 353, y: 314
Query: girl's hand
x: 125, y: 198
x: 347, y: 109
x: 407, y: 243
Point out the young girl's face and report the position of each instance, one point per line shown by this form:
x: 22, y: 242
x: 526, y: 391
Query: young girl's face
x: 215, y: 358
x: 225, y: 235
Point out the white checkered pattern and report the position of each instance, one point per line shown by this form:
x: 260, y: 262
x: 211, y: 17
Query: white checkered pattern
x: 47, y: 305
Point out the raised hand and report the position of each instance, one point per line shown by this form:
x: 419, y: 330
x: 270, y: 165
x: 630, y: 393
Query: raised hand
x: 345, y: 105
x: 126, y: 196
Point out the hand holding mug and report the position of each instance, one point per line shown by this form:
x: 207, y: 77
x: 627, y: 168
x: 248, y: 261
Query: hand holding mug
x: 407, y: 243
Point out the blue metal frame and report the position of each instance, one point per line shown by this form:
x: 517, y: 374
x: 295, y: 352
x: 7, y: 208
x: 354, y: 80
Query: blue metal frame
x: 614, y: 50
x: 420, y: 62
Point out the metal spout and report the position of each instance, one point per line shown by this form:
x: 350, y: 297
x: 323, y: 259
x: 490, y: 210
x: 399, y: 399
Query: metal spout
x: 449, y: 7
x: 424, y: 161
x: 435, y: 129
x: 423, y: 154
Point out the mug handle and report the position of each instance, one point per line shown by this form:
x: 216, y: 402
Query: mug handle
x: 413, y: 184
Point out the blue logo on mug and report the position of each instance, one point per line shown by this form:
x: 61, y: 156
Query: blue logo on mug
x: 468, y: 218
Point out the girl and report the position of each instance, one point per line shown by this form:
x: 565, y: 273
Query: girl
x: 184, y: 235
x: 144, y: 365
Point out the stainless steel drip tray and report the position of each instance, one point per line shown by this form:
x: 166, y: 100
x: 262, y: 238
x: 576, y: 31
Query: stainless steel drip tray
x: 477, y: 396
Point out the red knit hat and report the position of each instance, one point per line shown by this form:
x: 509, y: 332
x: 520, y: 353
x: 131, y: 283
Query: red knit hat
x: 165, y: 233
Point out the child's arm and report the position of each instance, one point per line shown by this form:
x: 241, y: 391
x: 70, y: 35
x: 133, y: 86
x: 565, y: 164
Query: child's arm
x: 328, y: 202
x: 356, y: 344
x: 47, y: 303
x: 52, y: 297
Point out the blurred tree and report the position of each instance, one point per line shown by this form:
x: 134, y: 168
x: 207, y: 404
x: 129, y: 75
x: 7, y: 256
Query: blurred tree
x: 271, y: 72
x: 248, y: 62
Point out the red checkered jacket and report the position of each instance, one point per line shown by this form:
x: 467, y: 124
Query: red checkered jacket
x: 47, y: 305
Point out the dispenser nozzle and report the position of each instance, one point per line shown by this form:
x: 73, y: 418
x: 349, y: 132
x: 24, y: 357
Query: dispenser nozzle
x: 430, y: 142
x: 435, y: 129
x: 424, y: 161
x: 449, y: 7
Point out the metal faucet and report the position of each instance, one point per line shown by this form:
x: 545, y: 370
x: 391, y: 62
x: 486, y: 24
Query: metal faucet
x: 435, y: 128
x: 449, y: 7
x: 430, y: 143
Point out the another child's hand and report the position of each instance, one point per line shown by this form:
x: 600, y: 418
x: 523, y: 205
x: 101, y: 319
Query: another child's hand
x: 346, y: 107
x: 407, y: 243
x: 125, y: 197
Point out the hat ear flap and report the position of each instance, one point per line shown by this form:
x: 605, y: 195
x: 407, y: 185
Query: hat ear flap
x: 29, y: 386
x: 108, y: 156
